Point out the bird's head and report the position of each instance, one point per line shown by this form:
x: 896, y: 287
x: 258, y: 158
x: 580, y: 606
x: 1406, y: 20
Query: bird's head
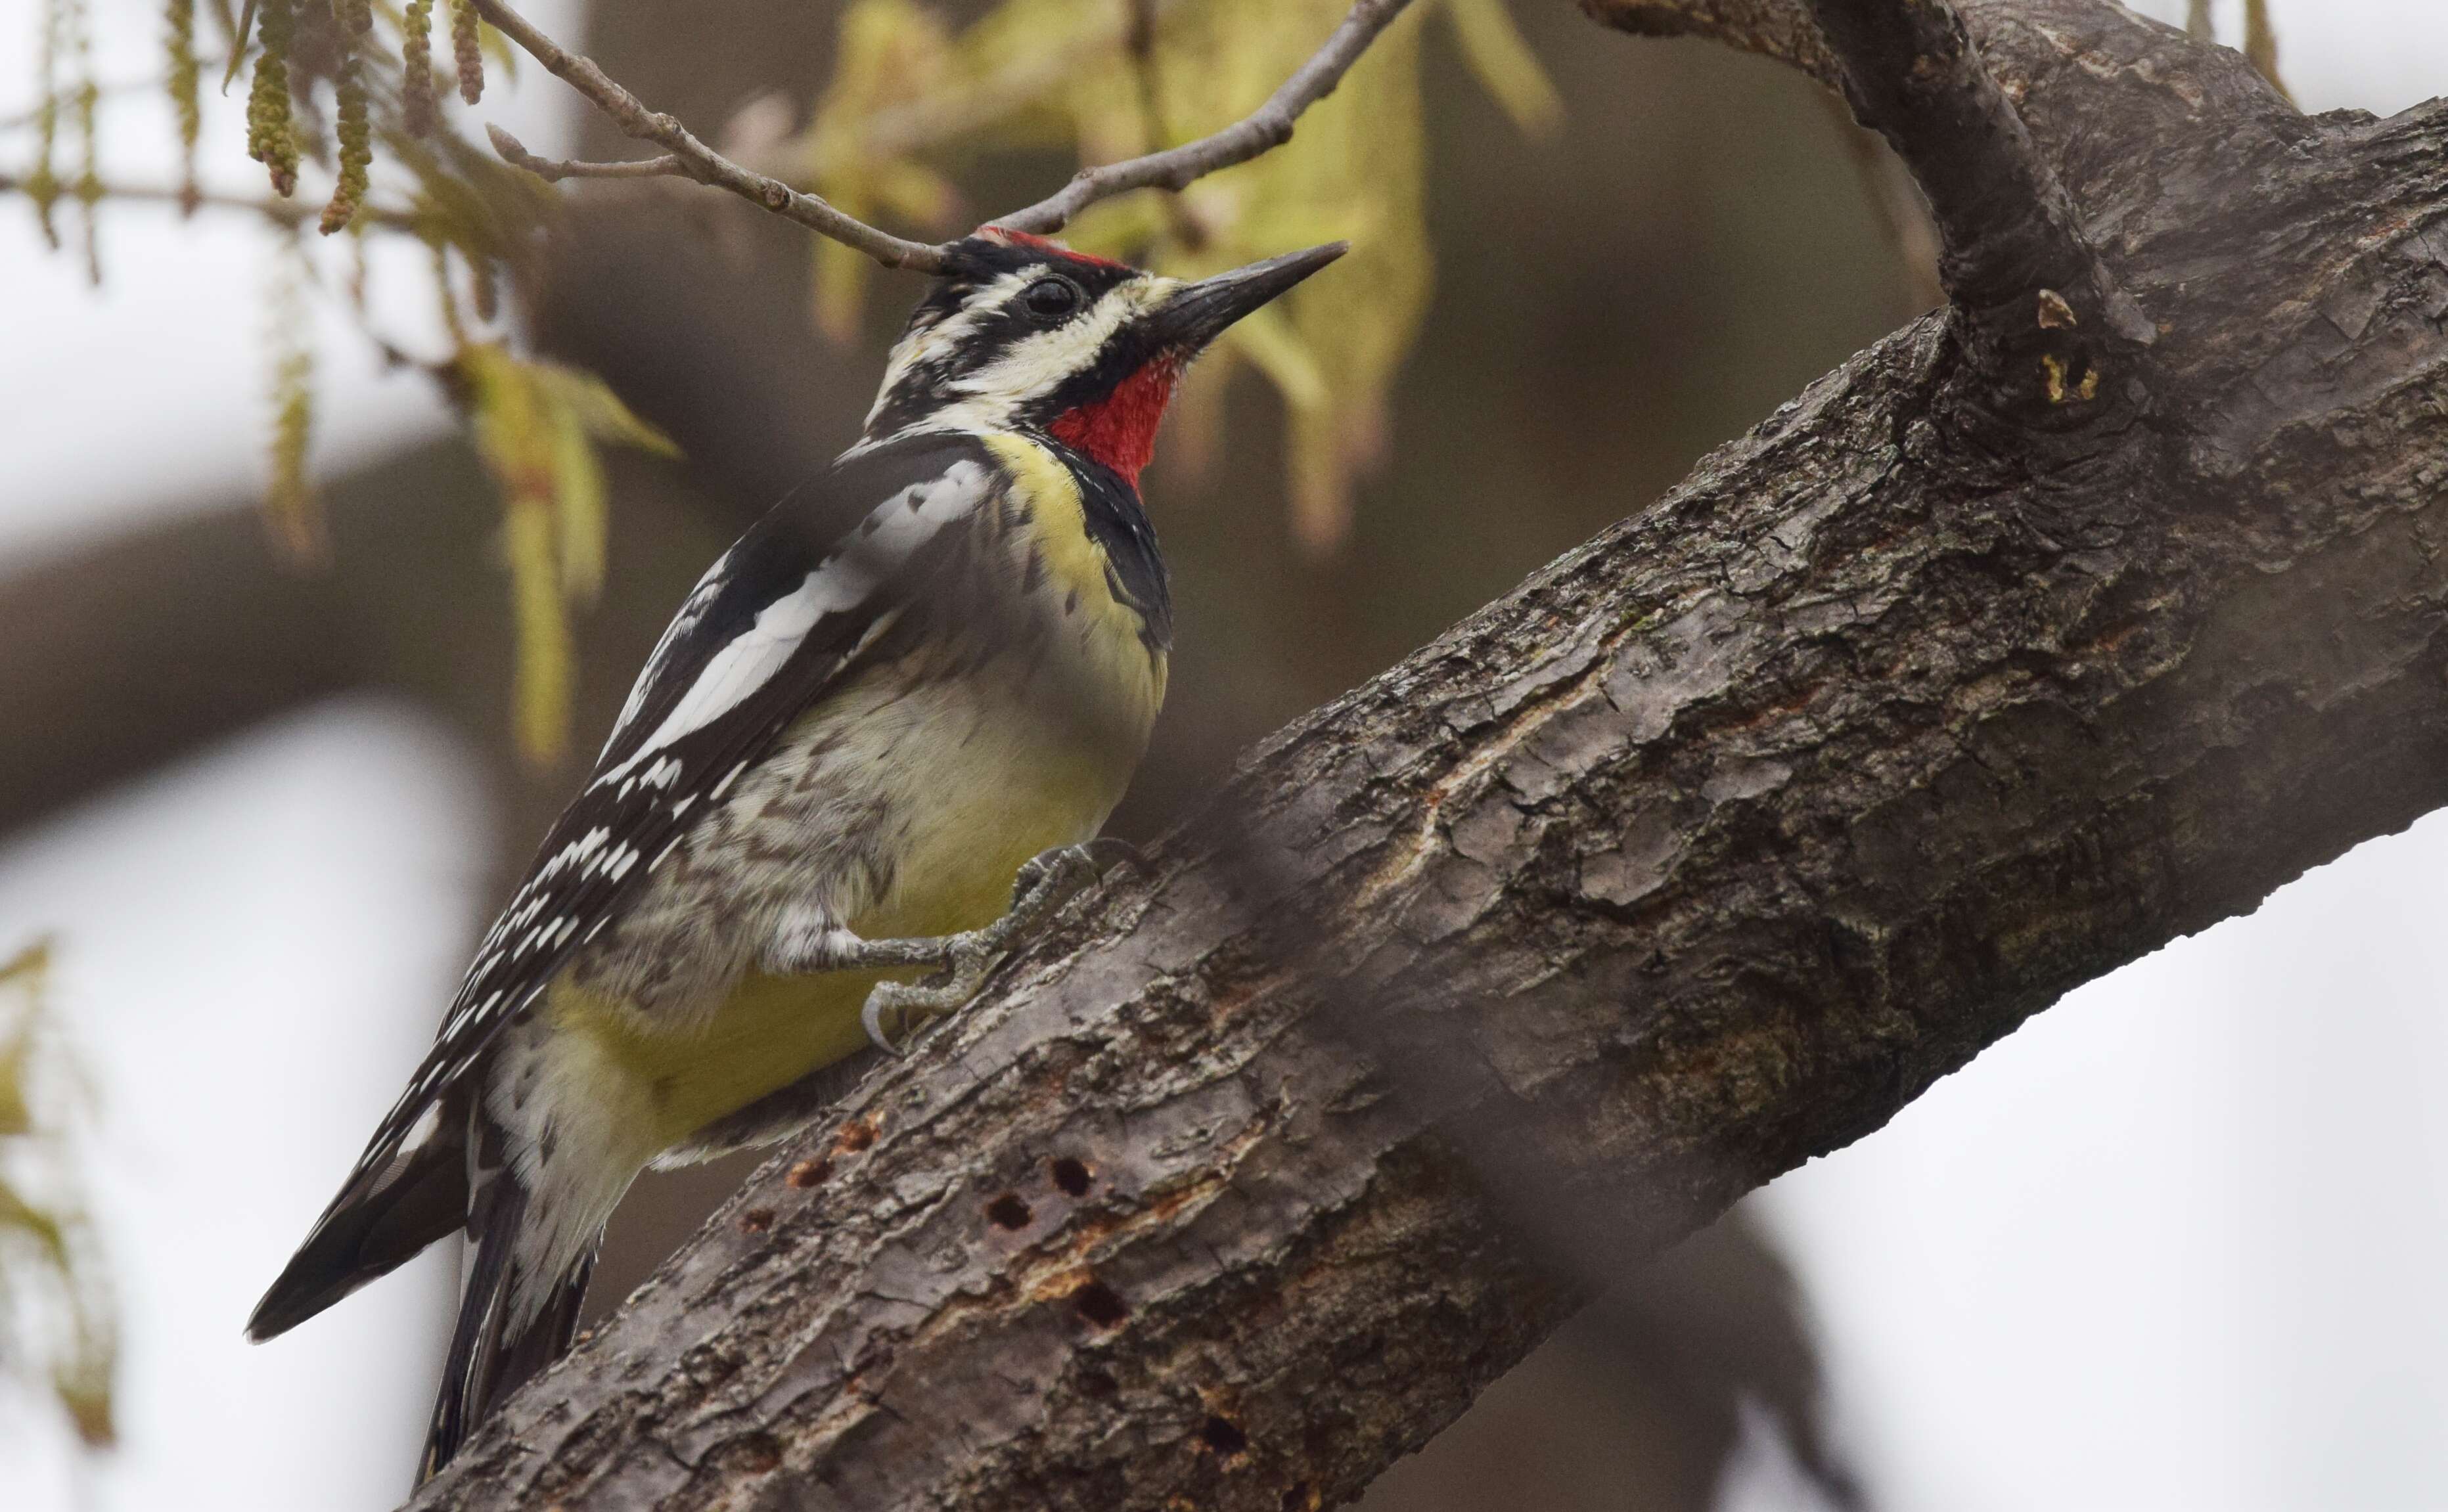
x: 1023, y: 334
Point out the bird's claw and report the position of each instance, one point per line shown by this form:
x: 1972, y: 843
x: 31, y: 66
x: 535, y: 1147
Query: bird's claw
x: 1044, y: 885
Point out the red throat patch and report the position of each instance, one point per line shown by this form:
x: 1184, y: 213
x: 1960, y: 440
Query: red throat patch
x: 1120, y: 429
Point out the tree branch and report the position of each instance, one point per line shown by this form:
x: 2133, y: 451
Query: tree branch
x: 550, y: 170
x: 1175, y: 168
x: 697, y: 160
x: 1704, y: 852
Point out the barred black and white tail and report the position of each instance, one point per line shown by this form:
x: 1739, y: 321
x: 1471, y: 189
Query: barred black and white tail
x: 498, y: 1346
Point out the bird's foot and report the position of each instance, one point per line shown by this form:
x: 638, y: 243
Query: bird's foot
x: 963, y: 962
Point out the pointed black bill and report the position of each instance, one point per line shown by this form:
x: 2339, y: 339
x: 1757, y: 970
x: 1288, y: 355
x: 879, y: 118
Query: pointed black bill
x: 1201, y: 311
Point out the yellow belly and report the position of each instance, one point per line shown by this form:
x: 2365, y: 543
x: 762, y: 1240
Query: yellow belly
x: 994, y: 808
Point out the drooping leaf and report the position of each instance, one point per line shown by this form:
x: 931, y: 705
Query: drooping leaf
x: 537, y: 427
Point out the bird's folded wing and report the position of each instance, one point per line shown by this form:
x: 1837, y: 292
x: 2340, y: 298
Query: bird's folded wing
x: 771, y: 627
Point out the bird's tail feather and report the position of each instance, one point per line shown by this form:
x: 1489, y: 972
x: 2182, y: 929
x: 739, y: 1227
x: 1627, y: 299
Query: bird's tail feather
x: 497, y: 1346
x: 371, y: 1229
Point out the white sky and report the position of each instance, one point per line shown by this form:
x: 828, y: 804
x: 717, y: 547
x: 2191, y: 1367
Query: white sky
x: 2176, y: 1245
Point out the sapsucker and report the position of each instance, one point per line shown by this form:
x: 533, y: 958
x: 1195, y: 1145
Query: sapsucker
x: 926, y: 674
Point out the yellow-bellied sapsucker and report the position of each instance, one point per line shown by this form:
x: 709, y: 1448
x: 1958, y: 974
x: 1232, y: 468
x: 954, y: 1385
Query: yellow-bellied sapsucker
x: 927, y: 673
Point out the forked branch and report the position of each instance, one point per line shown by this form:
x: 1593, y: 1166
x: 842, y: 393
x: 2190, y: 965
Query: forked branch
x: 686, y: 156
x: 2043, y: 314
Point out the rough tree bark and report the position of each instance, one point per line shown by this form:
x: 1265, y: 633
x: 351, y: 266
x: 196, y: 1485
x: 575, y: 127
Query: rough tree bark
x: 1699, y: 855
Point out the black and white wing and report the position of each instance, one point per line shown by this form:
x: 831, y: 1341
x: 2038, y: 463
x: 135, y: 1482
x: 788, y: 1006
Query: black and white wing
x: 766, y: 631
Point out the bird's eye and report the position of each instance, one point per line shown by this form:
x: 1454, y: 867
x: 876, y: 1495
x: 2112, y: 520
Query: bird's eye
x: 1051, y: 299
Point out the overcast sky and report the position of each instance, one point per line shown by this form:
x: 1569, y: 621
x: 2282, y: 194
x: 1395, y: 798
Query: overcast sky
x: 2175, y: 1245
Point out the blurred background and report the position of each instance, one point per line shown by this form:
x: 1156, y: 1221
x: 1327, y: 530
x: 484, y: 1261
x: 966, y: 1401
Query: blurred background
x: 2175, y: 1245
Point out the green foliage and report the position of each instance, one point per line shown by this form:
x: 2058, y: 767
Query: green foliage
x: 56, y: 1322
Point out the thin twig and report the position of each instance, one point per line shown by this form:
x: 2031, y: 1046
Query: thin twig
x: 553, y: 170
x: 699, y: 160
x: 280, y: 212
x: 687, y: 157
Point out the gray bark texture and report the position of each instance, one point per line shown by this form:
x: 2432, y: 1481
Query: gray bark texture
x: 1701, y: 853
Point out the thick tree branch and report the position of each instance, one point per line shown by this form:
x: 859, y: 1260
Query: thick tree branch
x: 1704, y: 852
x: 686, y: 156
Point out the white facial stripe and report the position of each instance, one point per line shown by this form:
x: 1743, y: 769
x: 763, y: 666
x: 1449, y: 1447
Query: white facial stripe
x: 1030, y: 367
x: 867, y: 558
x: 946, y: 333
x: 1043, y: 358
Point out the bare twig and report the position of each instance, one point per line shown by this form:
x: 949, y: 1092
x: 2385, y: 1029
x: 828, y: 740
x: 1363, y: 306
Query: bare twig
x: 280, y: 212
x: 552, y: 170
x: 697, y: 160
x: 687, y: 157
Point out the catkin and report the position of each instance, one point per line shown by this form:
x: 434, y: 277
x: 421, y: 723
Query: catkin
x: 85, y: 101
x: 418, y: 110
x: 467, y: 51
x: 290, y: 510
x: 271, y: 132
x: 42, y: 183
x: 179, y: 39
x: 356, y: 146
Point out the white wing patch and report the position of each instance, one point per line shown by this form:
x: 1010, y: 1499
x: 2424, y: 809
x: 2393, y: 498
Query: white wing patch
x: 693, y: 608
x: 869, y: 556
